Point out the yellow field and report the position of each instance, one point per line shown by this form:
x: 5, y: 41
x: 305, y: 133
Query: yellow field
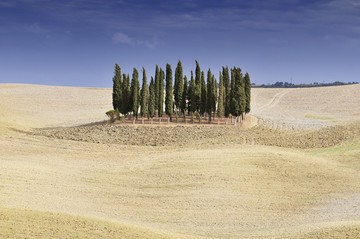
x: 63, y: 188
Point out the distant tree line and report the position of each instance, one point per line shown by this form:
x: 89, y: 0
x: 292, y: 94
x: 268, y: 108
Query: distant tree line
x: 280, y: 84
x: 230, y: 96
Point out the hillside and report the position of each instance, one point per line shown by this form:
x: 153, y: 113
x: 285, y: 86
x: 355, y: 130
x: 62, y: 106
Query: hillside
x: 115, y: 181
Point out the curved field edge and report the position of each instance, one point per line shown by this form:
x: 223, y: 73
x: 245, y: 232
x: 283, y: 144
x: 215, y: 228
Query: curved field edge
x: 20, y: 223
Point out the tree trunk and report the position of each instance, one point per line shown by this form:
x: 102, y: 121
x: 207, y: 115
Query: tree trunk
x: 142, y: 120
x: 235, y: 121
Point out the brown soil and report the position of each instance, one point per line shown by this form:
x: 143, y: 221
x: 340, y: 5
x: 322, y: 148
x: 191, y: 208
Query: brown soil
x: 182, y: 135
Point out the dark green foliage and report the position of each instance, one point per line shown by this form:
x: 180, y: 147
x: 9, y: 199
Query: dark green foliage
x: 157, y: 87
x: 151, y: 109
x: 184, y: 112
x: 135, y: 85
x: 209, y: 94
x: 117, y: 90
x: 144, y: 95
x: 169, y: 92
x: 232, y: 88
x: 179, y: 86
x: 238, y: 100
x: 129, y: 95
x: 197, y: 90
x: 220, y: 109
x: 199, y: 117
x: 192, y: 94
x: 161, y: 93
x: 247, y: 92
x: 203, y: 94
x: 125, y: 88
x: 214, y: 94
x: 192, y: 117
x: 177, y: 117
x: 184, y: 95
x: 226, y: 83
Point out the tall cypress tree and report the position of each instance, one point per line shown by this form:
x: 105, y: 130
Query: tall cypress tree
x: 247, y: 92
x: 179, y: 85
x: 157, y: 87
x: 220, y: 110
x: 169, y: 92
x: 144, y: 95
x: 238, y: 93
x: 198, y: 87
x: 117, y: 90
x: 214, y: 94
x: 129, y: 92
x: 161, y: 93
x: 125, y: 95
x: 184, y: 95
x: 226, y: 80
x: 203, y: 94
x: 151, y: 109
x: 135, y: 92
x: 232, y: 89
x: 192, y: 94
x: 209, y: 94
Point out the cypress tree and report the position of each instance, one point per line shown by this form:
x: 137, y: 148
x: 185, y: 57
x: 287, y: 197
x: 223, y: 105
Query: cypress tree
x: 184, y: 96
x: 198, y: 87
x: 214, y: 94
x: 226, y: 81
x: 179, y: 85
x: 125, y: 95
x: 117, y: 90
x: 129, y: 94
x: 238, y: 93
x: 169, y: 92
x: 209, y: 94
x: 161, y: 93
x: 157, y: 87
x: 192, y: 94
x: 144, y: 95
x: 232, y: 89
x: 151, y: 110
x: 135, y: 92
x: 220, y: 110
x: 203, y: 94
x: 247, y: 92
x: 242, y: 93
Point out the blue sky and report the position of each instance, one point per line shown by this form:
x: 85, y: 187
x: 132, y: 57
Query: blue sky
x: 77, y: 43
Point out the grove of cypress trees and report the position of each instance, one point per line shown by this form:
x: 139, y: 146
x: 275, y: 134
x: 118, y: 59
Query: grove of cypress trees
x: 238, y: 94
x: 135, y: 92
x: 169, y: 92
x: 226, y: 83
x: 220, y: 109
x: 203, y: 94
x: 184, y: 96
x: 247, y: 92
x: 144, y: 95
x: 157, y: 87
x: 178, y: 87
x: 117, y: 90
x: 161, y: 93
x: 151, y: 109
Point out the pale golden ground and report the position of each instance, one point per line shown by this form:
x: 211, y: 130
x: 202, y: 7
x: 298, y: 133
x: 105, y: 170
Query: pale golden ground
x: 227, y: 190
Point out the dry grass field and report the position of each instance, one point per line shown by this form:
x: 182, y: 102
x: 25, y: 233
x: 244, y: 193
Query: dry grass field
x: 293, y: 174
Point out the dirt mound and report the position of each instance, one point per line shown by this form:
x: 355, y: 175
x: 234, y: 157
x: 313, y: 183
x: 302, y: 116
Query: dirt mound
x: 202, y: 135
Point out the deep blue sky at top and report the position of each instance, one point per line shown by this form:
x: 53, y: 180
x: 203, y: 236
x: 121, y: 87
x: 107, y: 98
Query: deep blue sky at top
x: 77, y: 43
